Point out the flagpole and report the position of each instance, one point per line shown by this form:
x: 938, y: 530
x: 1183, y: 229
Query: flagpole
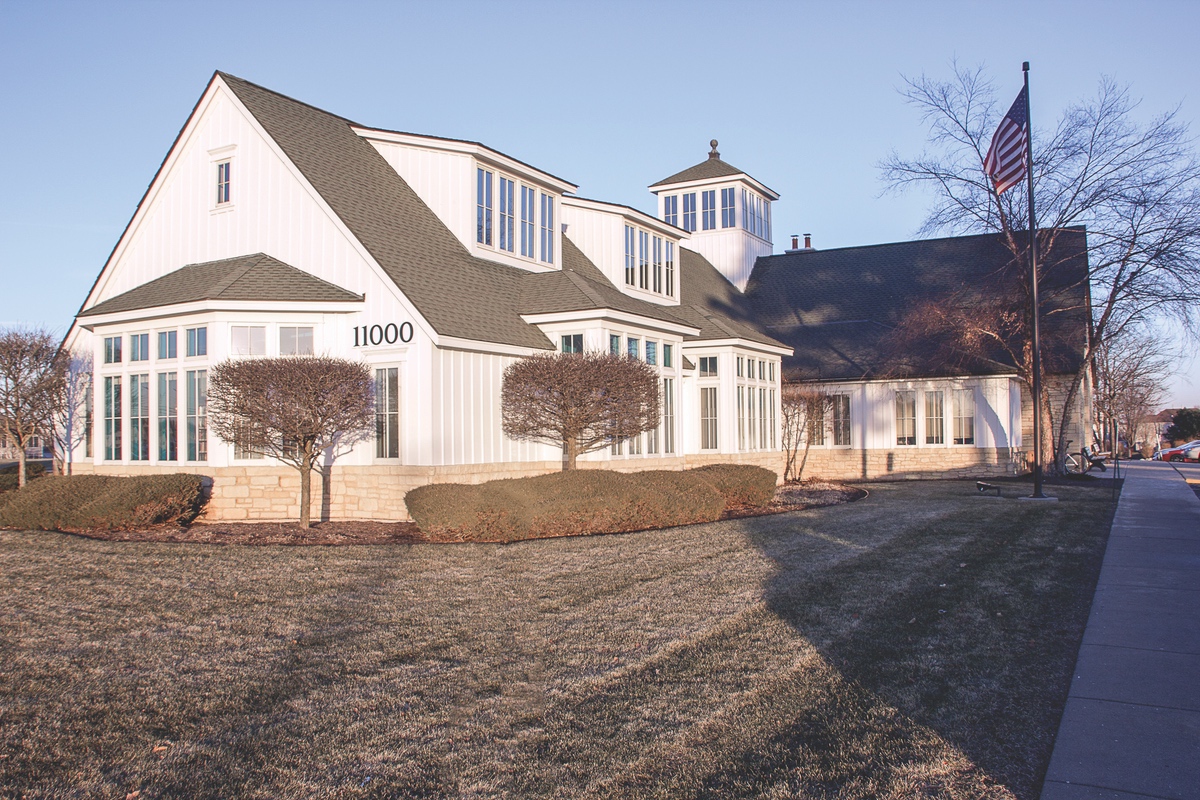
x: 1033, y: 282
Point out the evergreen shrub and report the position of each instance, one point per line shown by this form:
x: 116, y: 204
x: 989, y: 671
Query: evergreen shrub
x: 102, y: 502
x: 740, y: 484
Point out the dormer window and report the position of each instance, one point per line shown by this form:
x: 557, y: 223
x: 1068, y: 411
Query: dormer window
x: 756, y: 214
x: 223, y: 181
x: 708, y: 209
x: 728, y: 215
x: 547, y: 229
x: 645, y: 266
x: 689, y: 211
x: 528, y: 209
x: 507, y: 214
x: 483, y: 206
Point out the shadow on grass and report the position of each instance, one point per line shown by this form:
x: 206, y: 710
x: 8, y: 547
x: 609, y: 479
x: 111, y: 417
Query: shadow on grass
x: 967, y: 624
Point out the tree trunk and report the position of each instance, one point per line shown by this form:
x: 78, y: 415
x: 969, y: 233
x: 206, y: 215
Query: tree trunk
x: 20, y: 464
x: 569, y: 454
x: 305, y: 492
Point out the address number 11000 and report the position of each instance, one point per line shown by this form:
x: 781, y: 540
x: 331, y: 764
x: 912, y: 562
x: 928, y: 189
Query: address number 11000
x: 382, y: 334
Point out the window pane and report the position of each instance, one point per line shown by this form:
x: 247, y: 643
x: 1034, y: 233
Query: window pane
x: 614, y: 344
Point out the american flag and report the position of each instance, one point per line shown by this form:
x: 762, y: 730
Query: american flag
x: 1005, y: 162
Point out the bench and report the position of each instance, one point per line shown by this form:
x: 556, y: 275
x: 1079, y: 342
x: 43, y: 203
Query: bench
x: 982, y: 488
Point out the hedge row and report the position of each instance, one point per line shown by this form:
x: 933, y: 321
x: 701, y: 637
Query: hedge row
x: 584, y: 501
x: 102, y: 502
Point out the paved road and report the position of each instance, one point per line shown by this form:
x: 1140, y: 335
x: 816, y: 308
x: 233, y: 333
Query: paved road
x: 1131, y: 727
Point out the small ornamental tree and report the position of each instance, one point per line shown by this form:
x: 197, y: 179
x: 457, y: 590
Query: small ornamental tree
x: 1185, y: 425
x: 31, y: 377
x: 70, y: 413
x: 803, y: 417
x: 293, y: 408
x: 580, y: 402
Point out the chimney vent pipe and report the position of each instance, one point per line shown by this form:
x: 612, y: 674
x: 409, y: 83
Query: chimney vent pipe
x: 808, y: 241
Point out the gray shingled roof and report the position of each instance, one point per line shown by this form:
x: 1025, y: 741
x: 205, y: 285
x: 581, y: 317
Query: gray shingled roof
x: 459, y: 295
x: 705, y: 170
x: 836, y: 307
x: 713, y: 304
x: 252, y: 277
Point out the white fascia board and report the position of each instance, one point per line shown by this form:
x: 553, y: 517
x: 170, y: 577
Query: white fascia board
x: 629, y: 213
x: 209, y: 306
x: 479, y: 151
x: 894, y: 381
x: 741, y: 177
x: 609, y: 315
x: 475, y: 346
x: 744, y: 344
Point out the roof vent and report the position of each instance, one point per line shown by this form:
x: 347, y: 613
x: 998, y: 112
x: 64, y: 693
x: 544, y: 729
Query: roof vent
x: 713, y: 153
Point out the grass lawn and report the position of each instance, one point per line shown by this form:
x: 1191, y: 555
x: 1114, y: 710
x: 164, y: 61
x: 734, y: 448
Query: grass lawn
x: 918, y: 643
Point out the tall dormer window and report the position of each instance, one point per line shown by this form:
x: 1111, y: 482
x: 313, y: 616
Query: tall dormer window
x: 708, y: 217
x: 507, y: 215
x: 223, y: 181
x: 547, y: 229
x: 670, y: 269
x: 671, y: 209
x: 528, y: 211
x: 630, y: 269
x: 483, y: 206
x: 756, y: 214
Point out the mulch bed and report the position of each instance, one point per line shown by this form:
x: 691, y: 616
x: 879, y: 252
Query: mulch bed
x: 793, y: 497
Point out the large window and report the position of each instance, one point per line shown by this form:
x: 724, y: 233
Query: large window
x: 906, y: 418
x: 708, y: 418
x: 689, y: 211
x: 771, y: 415
x: 671, y: 209
x: 139, y: 417
x: 112, y: 350
x: 728, y: 214
x: 668, y: 406
x: 197, y: 415
x: 964, y: 416
x: 572, y: 343
x: 547, y: 229
x: 168, y: 417
x: 756, y: 214
x: 708, y: 366
x: 528, y: 212
x: 197, y: 342
x: 139, y: 347
x: 387, y: 413
x: 112, y: 419
x: 483, y: 206
x: 935, y: 427
x: 708, y: 209
x: 841, y: 420
x: 248, y: 340
x: 295, y: 341
x: 168, y: 344
x: 630, y: 257
x: 508, y: 217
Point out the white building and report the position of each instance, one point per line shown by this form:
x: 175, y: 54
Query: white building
x: 275, y: 228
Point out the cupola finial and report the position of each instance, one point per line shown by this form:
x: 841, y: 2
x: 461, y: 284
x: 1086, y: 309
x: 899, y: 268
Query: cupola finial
x: 713, y: 153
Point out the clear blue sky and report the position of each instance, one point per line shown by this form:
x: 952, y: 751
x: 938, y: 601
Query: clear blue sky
x: 610, y: 95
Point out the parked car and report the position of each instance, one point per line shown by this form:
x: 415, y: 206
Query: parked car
x: 1189, y: 454
x: 1174, y: 453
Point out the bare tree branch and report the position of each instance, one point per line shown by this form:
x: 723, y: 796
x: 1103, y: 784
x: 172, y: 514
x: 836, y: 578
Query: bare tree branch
x: 31, y: 377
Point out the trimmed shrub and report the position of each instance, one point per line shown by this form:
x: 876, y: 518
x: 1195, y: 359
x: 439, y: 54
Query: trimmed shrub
x: 102, y: 502
x: 740, y: 484
x: 8, y: 474
x: 563, y: 504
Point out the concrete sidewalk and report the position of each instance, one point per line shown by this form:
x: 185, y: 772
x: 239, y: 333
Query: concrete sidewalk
x: 1131, y: 727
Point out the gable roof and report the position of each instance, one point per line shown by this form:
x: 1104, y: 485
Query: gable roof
x: 459, y: 295
x: 252, y: 277
x: 835, y: 307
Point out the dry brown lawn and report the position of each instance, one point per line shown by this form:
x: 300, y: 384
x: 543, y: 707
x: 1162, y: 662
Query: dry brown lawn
x: 917, y: 643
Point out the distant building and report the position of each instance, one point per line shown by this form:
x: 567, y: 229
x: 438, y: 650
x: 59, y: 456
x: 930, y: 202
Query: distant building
x: 274, y: 228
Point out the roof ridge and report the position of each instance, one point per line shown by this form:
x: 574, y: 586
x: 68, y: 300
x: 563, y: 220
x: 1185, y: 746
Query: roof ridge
x: 235, y: 274
x: 227, y: 75
x: 583, y: 286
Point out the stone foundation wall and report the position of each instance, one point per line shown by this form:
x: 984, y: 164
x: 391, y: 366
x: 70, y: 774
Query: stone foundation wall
x: 272, y: 493
x: 913, y: 463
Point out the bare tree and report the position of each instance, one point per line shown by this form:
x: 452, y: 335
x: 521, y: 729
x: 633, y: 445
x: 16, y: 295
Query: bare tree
x: 30, y: 382
x: 1131, y: 373
x: 580, y: 402
x: 70, y: 423
x: 1134, y: 185
x: 293, y: 409
x: 803, y: 412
